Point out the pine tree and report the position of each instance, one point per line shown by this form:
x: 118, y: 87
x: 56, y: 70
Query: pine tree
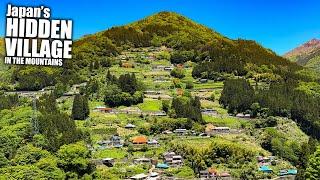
x: 80, y: 107
x: 77, y: 108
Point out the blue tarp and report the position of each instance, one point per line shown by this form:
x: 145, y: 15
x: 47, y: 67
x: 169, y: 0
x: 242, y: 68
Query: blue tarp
x: 265, y: 169
x: 292, y: 171
x: 162, y: 166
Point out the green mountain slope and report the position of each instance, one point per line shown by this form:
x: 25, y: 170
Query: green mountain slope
x: 181, y: 34
x: 214, y: 52
x: 308, y: 54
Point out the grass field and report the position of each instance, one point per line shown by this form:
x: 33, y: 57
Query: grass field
x: 110, y: 153
x: 150, y: 105
x: 231, y: 122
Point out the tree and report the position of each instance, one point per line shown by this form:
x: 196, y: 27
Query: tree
x: 80, y: 107
x: 75, y: 158
x: 29, y: 155
x: 237, y: 95
x: 313, y: 168
x: 77, y: 109
x: 178, y: 73
x: 128, y: 83
x: 165, y: 105
x: 189, y: 85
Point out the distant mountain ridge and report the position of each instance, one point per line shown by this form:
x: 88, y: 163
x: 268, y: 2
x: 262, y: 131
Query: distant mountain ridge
x: 308, y: 54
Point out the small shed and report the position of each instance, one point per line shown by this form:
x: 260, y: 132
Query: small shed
x: 130, y: 126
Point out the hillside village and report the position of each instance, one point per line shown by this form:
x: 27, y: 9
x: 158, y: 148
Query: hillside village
x: 155, y: 112
x: 117, y: 140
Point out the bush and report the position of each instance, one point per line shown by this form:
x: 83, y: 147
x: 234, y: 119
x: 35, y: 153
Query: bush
x: 178, y: 73
x: 189, y: 85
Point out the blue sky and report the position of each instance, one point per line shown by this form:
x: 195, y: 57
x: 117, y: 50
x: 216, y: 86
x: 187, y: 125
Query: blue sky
x: 276, y: 24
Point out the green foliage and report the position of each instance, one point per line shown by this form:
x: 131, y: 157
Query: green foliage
x: 313, y: 169
x: 58, y: 128
x: 80, y: 107
x: 122, y: 91
x: 35, y: 78
x: 217, y: 151
x: 160, y: 125
x: 177, y: 73
x: 8, y: 101
x: 189, y: 85
x: 180, y: 57
x: 15, y: 126
x: 187, y: 108
x: 163, y: 55
x: 279, y: 145
x: 128, y: 83
x: 29, y: 155
x: 165, y: 106
x: 237, y: 95
x: 74, y: 158
x: 182, y: 172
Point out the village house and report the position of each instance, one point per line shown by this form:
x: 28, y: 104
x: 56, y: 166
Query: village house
x: 203, y: 80
x: 224, y: 176
x: 209, y: 112
x: 140, y: 140
x: 158, y: 68
x: 266, y: 160
x: 167, y: 132
x: 142, y: 161
x: 130, y: 110
x: 150, y: 92
x: 155, y: 113
x: 115, y: 141
x: 102, y: 109
x: 180, y: 131
x: 210, y: 173
x: 241, y: 115
x: 139, y: 177
x: 154, y: 176
x: 153, y: 142
x: 48, y: 88
x: 168, y: 68
x: 158, y: 96
x: 221, y: 129
x: 172, y: 159
x: 130, y: 126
